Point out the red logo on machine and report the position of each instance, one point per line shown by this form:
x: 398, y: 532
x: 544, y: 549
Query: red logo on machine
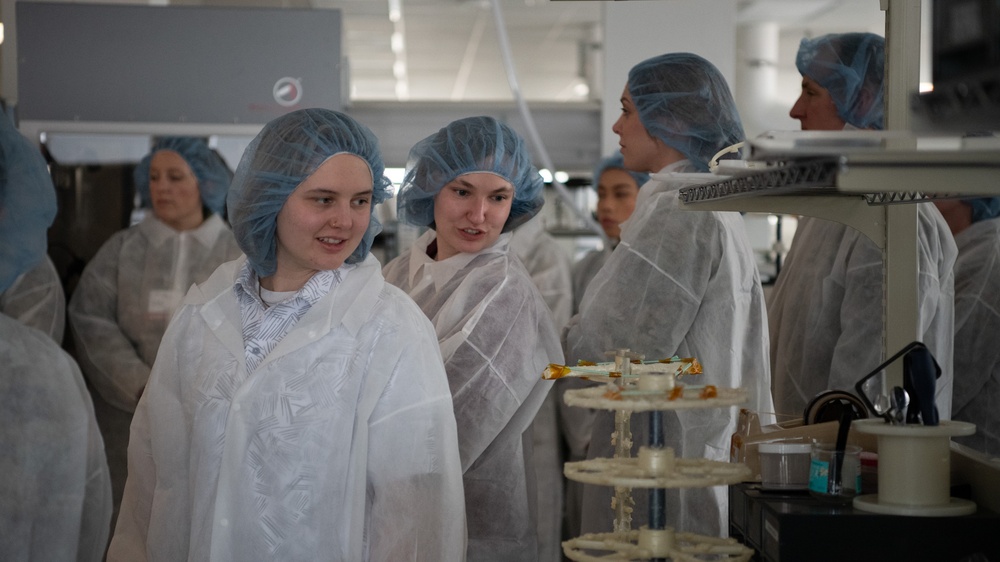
x: 287, y: 91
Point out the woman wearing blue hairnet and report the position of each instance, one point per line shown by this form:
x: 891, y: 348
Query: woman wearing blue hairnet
x: 836, y: 339
x: 680, y: 282
x: 975, y: 223
x: 130, y: 289
x: 472, y: 182
x: 617, y: 189
x: 54, y: 484
x: 298, y: 409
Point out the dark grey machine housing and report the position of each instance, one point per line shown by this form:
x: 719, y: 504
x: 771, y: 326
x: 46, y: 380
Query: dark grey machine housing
x: 129, y: 64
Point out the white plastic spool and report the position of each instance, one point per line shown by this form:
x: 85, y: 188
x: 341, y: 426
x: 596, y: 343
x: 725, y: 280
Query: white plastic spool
x: 659, y: 382
x: 656, y: 462
x: 914, y: 469
x: 659, y: 543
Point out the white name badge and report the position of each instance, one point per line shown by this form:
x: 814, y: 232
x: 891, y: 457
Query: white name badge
x: 164, y: 302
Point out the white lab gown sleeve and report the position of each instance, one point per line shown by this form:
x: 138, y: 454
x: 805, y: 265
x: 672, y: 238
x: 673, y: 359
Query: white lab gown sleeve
x: 36, y: 299
x: 127, y: 294
x: 977, y: 331
x: 53, y: 476
x: 496, y: 338
x: 680, y: 282
x: 341, y: 445
x: 584, y: 271
x: 836, y: 339
x: 549, y: 266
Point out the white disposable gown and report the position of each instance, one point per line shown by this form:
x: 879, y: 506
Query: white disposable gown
x: 680, y: 282
x: 977, y: 333
x: 36, y: 299
x: 578, y: 423
x: 340, y: 446
x: 120, y: 310
x: 825, y: 314
x: 496, y: 337
x: 583, y: 273
x: 55, y: 493
x: 549, y: 266
x: 127, y: 294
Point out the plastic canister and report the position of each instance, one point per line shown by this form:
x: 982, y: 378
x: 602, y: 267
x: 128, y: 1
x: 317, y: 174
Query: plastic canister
x: 784, y: 465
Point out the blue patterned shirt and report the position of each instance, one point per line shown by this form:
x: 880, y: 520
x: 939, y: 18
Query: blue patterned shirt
x: 263, y: 326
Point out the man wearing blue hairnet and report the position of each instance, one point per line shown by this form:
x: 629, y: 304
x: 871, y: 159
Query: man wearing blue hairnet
x: 55, y: 493
x: 130, y: 289
x: 825, y: 316
x: 680, y: 282
x: 473, y: 182
x: 975, y: 223
x: 298, y: 409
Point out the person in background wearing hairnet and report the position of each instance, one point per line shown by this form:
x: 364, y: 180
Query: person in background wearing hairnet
x: 55, y: 492
x: 472, y: 182
x: 549, y: 267
x: 680, y: 282
x: 298, y: 409
x: 130, y: 289
x: 825, y: 314
x: 617, y: 189
x: 976, y: 227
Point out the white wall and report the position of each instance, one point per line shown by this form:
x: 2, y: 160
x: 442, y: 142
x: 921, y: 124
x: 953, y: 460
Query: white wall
x: 635, y: 31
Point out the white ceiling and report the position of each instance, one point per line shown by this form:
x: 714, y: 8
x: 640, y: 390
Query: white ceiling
x: 451, y: 48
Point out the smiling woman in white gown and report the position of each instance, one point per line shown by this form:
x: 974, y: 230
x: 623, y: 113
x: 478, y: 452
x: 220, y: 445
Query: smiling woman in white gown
x: 298, y: 408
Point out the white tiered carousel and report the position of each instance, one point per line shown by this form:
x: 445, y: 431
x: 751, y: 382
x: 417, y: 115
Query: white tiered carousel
x: 632, y: 385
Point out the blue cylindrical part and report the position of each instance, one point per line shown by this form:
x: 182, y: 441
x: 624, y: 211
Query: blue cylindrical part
x: 656, y: 429
x: 657, y: 496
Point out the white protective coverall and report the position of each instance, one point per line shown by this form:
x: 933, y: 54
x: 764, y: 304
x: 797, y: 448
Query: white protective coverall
x: 549, y: 266
x: 825, y: 314
x: 36, y: 299
x: 341, y: 445
x: 120, y: 310
x: 496, y: 337
x: 127, y: 294
x: 680, y: 282
x: 583, y: 273
x: 977, y: 331
x: 54, y: 484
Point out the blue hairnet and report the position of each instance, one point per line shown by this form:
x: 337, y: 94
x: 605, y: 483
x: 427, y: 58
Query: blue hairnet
x: 617, y: 162
x: 473, y: 144
x: 212, y: 173
x: 983, y: 208
x: 286, y: 152
x: 27, y: 204
x: 846, y: 65
x: 684, y: 101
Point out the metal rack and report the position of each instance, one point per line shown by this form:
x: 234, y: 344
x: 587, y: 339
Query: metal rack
x: 866, y: 190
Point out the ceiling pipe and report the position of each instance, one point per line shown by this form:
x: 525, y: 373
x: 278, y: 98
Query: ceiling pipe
x: 533, y: 136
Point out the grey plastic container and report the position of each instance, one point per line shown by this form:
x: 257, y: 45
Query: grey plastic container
x: 784, y: 465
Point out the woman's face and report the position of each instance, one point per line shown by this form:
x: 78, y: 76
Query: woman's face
x: 616, y: 194
x: 641, y: 151
x: 469, y: 213
x: 815, y: 108
x: 173, y: 188
x: 322, y: 222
